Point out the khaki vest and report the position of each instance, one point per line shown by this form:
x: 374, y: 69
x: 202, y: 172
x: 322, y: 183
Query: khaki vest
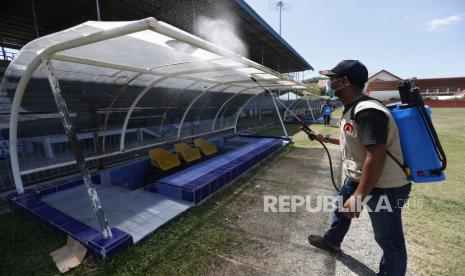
x: 354, y: 152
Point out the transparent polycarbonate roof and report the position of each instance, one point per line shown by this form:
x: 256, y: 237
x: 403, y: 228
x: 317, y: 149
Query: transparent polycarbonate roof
x: 131, y: 85
x: 306, y: 105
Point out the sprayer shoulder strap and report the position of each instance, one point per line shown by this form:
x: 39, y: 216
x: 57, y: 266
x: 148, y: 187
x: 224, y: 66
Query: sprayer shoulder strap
x: 352, y: 117
x: 363, y: 99
x: 397, y: 161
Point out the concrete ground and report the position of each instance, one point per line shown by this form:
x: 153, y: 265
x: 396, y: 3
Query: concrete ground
x: 281, y: 245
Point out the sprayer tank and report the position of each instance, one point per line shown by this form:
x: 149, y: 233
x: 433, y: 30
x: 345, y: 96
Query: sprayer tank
x: 419, y: 151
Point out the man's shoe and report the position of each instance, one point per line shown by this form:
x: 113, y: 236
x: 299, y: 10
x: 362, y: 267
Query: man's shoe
x: 320, y: 242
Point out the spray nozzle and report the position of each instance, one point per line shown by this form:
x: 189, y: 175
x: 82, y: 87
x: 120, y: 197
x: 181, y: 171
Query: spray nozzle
x: 307, y: 130
x: 259, y: 84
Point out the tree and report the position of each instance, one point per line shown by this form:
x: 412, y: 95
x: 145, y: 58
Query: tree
x: 313, y: 80
x: 317, y: 91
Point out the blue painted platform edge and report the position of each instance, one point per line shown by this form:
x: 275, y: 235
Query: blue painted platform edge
x: 198, y: 182
x: 265, y: 136
x: 30, y: 206
x: 54, y: 187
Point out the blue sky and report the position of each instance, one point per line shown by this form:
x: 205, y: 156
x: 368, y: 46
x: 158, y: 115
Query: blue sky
x: 422, y: 38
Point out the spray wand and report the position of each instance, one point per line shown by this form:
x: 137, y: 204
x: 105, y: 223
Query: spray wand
x: 305, y: 128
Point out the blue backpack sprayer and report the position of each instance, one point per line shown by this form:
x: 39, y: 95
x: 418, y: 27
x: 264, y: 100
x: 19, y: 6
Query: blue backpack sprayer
x: 424, y: 157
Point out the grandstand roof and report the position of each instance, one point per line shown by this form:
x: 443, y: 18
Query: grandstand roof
x: 264, y: 45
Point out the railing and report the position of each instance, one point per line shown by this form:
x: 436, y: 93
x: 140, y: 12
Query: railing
x: 7, y: 54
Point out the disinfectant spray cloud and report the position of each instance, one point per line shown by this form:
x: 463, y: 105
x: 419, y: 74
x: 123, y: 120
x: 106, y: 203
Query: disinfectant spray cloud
x: 221, y: 32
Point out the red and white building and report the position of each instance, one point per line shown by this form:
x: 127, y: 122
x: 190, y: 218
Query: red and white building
x: 383, y: 86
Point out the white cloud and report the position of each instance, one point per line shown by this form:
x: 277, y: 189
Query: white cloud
x: 407, y: 18
x: 443, y: 23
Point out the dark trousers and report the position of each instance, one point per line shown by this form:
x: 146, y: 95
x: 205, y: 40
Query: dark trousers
x: 326, y: 119
x: 387, y: 225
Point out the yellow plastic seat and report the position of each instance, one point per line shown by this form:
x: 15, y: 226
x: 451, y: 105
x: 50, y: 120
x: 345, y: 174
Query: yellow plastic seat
x: 206, y: 148
x: 187, y: 153
x: 162, y: 159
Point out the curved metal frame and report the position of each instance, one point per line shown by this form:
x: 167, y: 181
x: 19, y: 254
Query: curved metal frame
x: 285, y: 113
x: 23, y: 82
x: 299, y: 106
x: 240, y: 110
x: 172, y: 101
x: 131, y: 108
x: 149, y: 86
x: 107, y: 115
x: 225, y: 103
x: 181, y: 123
x: 134, y: 104
x: 310, y: 108
x: 203, y: 106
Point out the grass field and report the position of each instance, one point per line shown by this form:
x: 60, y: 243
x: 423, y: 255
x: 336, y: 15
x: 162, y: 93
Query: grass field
x: 202, y: 239
x: 435, y: 226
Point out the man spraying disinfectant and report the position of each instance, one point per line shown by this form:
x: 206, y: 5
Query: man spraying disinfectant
x: 383, y: 149
x: 326, y: 110
x: 370, y: 144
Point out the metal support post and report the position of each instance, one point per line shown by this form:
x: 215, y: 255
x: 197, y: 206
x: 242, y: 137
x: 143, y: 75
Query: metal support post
x: 78, y: 154
x: 279, y: 115
x: 34, y: 18
x: 97, y: 4
x: 311, y: 109
x: 3, y: 48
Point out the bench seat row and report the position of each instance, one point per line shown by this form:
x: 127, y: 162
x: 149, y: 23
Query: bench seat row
x: 199, y: 181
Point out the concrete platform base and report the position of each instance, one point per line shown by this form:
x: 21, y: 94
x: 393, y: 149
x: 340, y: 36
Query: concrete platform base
x: 137, y: 213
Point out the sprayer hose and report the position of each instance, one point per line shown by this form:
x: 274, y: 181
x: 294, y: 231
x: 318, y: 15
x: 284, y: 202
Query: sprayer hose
x: 330, y: 165
x: 433, y: 136
x: 306, y: 130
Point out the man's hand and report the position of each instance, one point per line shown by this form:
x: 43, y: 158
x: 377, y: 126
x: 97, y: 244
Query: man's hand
x: 353, y: 206
x: 318, y: 136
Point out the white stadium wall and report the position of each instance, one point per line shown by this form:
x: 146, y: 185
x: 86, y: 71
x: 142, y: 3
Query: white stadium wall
x: 384, y: 95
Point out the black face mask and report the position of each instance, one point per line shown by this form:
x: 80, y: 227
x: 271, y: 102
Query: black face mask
x: 338, y: 93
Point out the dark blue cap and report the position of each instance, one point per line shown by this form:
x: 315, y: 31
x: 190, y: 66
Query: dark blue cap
x: 354, y: 70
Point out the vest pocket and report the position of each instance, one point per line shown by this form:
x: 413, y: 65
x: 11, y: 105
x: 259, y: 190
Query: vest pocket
x: 352, y: 169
